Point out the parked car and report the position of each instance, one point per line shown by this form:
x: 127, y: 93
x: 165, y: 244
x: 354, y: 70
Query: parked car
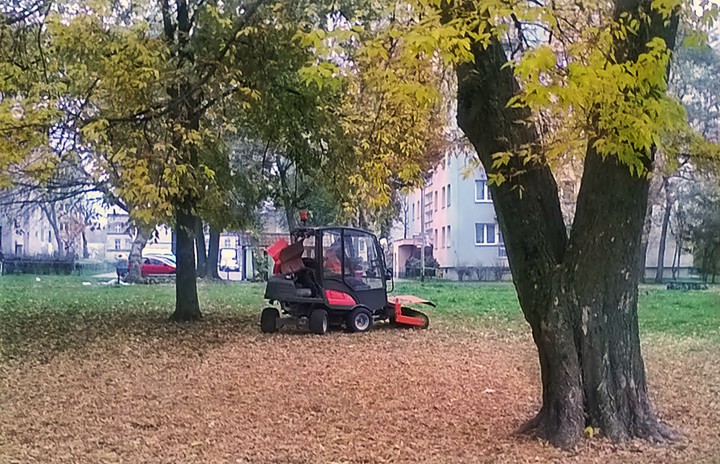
x: 158, y: 265
x: 161, y: 254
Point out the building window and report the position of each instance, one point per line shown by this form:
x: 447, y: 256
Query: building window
x: 419, y: 211
x: 118, y: 244
x: 227, y: 243
x: 412, y: 217
x: 49, y: 237
x: 485, y: 234
x: 448, y: 195
x: 436, y: 201
x: 443, y: 197
x: 443, y: 238
x: 502, y: 252
x: 437, y: 244
x: 428, y: 207
x: 482, y: 192
x: 119, y: 228
x: 449, y: 237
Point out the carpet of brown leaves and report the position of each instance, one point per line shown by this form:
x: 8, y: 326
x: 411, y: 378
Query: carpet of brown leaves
x: 216, y: 392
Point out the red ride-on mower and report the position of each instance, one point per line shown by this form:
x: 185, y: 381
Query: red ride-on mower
x: 334, y: 276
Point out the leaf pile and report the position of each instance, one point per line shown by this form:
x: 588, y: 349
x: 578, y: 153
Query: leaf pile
x: 148, y: 391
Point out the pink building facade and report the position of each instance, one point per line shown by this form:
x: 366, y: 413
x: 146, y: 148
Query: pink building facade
x: 455, y: 210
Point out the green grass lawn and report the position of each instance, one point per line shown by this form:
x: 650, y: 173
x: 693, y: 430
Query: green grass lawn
x: 61, y: 310
x: 661, y: 311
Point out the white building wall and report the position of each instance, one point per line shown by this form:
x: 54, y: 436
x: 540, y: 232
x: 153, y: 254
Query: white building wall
x: 26, y: 234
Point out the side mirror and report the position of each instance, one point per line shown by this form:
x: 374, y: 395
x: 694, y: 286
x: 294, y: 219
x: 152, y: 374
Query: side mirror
x: 388, y: 274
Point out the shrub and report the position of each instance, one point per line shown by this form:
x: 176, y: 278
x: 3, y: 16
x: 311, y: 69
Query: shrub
x: 37, y: 265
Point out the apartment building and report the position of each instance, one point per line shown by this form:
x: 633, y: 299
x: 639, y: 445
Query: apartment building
x: 456, y: 212
x: 120, y: 235
x: 26, y: 234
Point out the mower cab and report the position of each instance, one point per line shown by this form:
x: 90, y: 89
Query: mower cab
x: 332, y: 276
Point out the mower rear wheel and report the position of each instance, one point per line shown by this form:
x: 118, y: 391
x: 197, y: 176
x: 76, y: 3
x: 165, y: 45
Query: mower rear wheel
x: 318, y: 322
x: 359, y: 320
x: 268, y: 320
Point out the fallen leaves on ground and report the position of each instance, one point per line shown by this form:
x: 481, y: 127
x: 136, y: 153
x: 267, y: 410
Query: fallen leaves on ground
x: 222, y: 392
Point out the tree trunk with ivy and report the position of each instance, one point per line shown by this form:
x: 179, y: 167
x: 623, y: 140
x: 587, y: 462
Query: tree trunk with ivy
x: 578, y: 293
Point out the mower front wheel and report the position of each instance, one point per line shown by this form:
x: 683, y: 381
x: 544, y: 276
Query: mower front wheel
x: 318, y: 321
x: 268, y: 320
x: 359, y: 320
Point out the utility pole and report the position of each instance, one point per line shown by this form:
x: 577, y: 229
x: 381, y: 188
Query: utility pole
x: 422, y: 234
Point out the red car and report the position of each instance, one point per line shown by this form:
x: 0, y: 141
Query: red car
x: 158, y: 265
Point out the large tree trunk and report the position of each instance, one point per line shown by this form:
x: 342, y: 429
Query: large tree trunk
x: 579, y: 296
x: 187, y: 306
x: 663, y: 234
x: 213, y: 254
x: 534, y: 233
x: 603, y: 254
x: 134, y: 274
x: 200, y: 248
x: 184, y: 112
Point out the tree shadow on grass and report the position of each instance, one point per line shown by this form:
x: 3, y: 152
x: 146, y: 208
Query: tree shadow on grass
x: 40, y: 335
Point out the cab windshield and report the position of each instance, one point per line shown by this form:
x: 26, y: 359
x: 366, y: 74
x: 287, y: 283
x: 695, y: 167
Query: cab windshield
x: 352, y: 256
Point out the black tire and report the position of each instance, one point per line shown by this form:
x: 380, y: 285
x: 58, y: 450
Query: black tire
x: 318, y: 322
x: 268, y: 320
x: 359, y: 320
